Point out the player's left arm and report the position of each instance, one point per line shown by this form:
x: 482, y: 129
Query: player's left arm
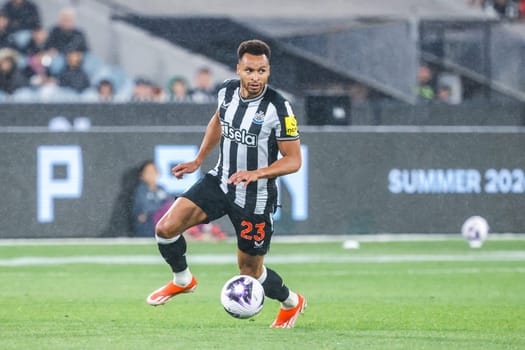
x: 289, y: 163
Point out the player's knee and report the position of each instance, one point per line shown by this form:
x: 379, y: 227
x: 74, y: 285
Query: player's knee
x: 164, y: 229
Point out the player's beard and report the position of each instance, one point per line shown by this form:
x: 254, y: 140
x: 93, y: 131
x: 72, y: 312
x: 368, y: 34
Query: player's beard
x: 253, y: 89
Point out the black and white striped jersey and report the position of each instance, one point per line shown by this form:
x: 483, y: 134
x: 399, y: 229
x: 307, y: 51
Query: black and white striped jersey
x: 250, y: 131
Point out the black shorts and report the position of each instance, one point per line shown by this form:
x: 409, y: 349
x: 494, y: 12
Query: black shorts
x: 254, y: 231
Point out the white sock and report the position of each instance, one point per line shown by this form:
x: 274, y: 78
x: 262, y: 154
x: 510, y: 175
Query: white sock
x: 161, y: 240
x: 290, y: 302
x: 183, y: 278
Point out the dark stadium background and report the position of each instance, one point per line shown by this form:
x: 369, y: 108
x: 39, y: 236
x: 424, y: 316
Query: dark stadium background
x: 350, y: 70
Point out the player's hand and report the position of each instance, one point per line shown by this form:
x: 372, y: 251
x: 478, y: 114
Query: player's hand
x: 244, y: 176
x: 184, y: 168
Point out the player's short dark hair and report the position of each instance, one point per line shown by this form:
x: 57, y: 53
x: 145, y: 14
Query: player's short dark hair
x: 254, y: 47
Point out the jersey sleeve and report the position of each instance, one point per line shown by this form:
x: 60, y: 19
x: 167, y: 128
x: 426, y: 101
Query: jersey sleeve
x: 287, y: 128
x: 221, y: 91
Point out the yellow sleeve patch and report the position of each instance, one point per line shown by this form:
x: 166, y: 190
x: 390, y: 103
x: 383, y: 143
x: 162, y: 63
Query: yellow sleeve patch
x: 290, y: 124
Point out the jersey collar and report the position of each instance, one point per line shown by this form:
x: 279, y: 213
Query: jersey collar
x: 256, y: 98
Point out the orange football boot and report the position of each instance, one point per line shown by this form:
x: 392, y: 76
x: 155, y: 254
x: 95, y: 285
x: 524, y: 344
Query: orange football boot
x: 163, y: 294
x: 286, y: 318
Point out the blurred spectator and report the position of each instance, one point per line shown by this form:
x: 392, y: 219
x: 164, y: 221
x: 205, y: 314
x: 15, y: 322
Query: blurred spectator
x: 178, y: 90
x: 37, y: 43
x: 159, y: 95
x: 204, y: 89
x: 38, y: 60
x: 444, y: 94
x: 73, y: 76
x: 426, y: 90
x: 11, y: 78
x: 148, y: 199
x: 105, y: 91
x: 65, y: 37
x: 6, y: 39
x: 23, y: 15
x: 453, y: 87
x: 37, y: 69
x: 145, y: 90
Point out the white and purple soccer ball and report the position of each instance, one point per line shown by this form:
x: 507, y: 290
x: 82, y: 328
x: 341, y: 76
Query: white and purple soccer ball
x: 475, y: 230
x: 242, y: 296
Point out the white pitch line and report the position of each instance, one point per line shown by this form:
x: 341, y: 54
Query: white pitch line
x: 319, y: 238
x: 204, y: 259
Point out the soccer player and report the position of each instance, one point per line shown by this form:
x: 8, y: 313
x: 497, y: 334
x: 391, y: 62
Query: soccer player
x: 252, y: 123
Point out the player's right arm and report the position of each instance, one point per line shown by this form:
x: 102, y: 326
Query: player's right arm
x: 212, y: 136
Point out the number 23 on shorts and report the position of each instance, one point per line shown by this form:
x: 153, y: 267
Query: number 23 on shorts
x: 250, y: 233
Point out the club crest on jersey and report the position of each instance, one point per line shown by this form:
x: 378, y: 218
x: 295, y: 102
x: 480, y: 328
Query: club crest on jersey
x: 258, y: 118
x: 239, y: 136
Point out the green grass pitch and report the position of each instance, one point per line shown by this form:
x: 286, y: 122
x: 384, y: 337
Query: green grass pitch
x: 385, y: 295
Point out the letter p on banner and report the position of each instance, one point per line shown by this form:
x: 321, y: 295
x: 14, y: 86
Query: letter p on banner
x: 49, y: 185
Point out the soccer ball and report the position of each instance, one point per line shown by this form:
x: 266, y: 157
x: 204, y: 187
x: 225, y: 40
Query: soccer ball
x: 475, y: 230
x: 242, y: 296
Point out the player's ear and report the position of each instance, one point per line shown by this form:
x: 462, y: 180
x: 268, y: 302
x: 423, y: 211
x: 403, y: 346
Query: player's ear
x: 238, y: 69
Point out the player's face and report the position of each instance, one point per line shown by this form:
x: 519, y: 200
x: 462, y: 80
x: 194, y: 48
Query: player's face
x: 254, y: 72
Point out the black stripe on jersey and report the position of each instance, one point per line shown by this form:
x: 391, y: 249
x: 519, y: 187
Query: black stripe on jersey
x: 252, y: 156
x: 228, y: 96
x: 280, y: 105
x: 282, y: 112
x: 236, y: 123
x: 271, y: 186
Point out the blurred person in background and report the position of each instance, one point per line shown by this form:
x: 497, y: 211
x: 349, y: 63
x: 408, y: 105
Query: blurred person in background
x: 444, y: 94
x: 73, y: 76
x: 146, y: 90
x: 6, y: 38
x: 38, y: 60
x: 65, y: 36
x: 204, y: 90
x: 11, y: 78
x: 37, y: 71
x: 37, y: 43
x: 426, y: 83
x: 143, y: 90
x: 159, y: 95
x: 23, y: 15
x: 149, y: 197
x: 178, y: 90
x: 105, y: 91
